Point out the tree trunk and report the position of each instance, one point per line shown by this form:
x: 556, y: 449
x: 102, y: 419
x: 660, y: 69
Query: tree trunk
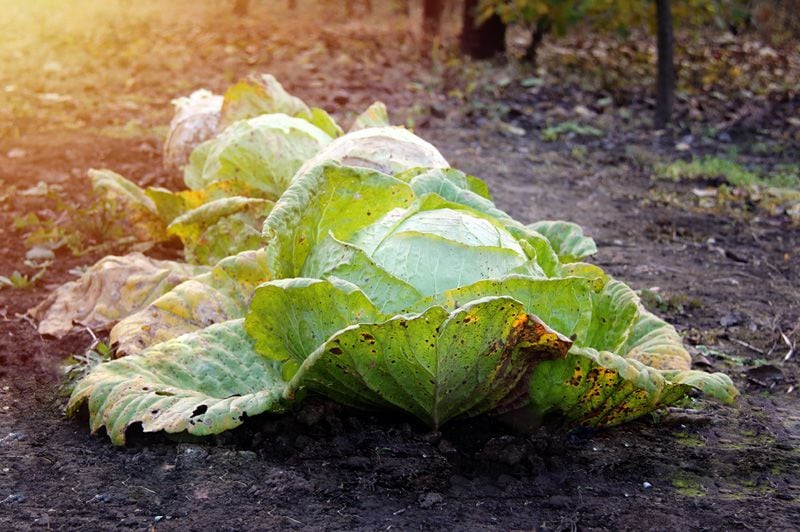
x: 241, y: 7
x: 665, y: 81
x: 432, y: 18
x: 541, y: 29
x: 483, y: 41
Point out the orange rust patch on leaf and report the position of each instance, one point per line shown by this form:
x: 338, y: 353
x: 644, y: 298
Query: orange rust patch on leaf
x: 534, y: 335
x: 521, y: 320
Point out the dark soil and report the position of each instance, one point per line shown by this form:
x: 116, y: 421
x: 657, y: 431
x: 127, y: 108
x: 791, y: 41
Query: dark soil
x: 727, y: 279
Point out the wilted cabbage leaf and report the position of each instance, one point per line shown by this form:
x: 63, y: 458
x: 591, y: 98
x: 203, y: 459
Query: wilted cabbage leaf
x: 196, y: 120
x: 172, y: 204
x: 626, y: 364
x: 112, y: 289
x: 221, y: 294
x: 140, y: 212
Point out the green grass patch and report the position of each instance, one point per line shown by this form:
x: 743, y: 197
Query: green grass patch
x: 688, y: 485
x: 733, y: 173
x: 553, y: 133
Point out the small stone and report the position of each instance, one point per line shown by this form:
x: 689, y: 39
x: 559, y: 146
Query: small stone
x: 14, y: 497
x: 646, y: 485
x: 432, y: 437
x: 39, y: 253
x: 189, y: 455
x: 428, y: 500
x: 731, y: 319
x: 247, y: 456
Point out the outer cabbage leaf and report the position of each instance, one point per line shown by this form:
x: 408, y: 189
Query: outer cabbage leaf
x: 602, y: 389
x: 221, y: 228
x: 435, y: 365
x: 621, y: 324
x: 567, y: 239
x: 140, y: 212
x: 203, y: 383
x: 219, y: 295
x: 376, y: 115
x: 259, y: 95
x: 115, y: 287
x: 390, y: 150
x: 654, y: 342
x: 647, y: 370
x: 615, y: 310
x: 438, y: 179
x: 263, y: 152
x: 171, y: 204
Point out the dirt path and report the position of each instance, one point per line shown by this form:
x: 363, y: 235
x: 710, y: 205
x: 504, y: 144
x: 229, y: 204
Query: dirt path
x: 725, y: 281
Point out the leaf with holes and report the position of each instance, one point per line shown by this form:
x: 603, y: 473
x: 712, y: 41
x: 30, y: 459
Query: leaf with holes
x: 203, y: 383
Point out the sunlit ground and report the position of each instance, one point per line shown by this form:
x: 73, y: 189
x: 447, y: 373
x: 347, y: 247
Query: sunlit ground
x: 63, y: 63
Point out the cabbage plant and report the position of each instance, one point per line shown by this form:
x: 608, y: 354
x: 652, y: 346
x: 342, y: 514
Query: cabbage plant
x: 383, y: 279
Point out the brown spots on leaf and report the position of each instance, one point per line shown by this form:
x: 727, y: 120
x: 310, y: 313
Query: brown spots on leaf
x: 577, y: 376
x: 471, y: 318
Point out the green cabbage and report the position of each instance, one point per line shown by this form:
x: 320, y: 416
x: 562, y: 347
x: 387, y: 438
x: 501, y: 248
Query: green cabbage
x: 382, y: 279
